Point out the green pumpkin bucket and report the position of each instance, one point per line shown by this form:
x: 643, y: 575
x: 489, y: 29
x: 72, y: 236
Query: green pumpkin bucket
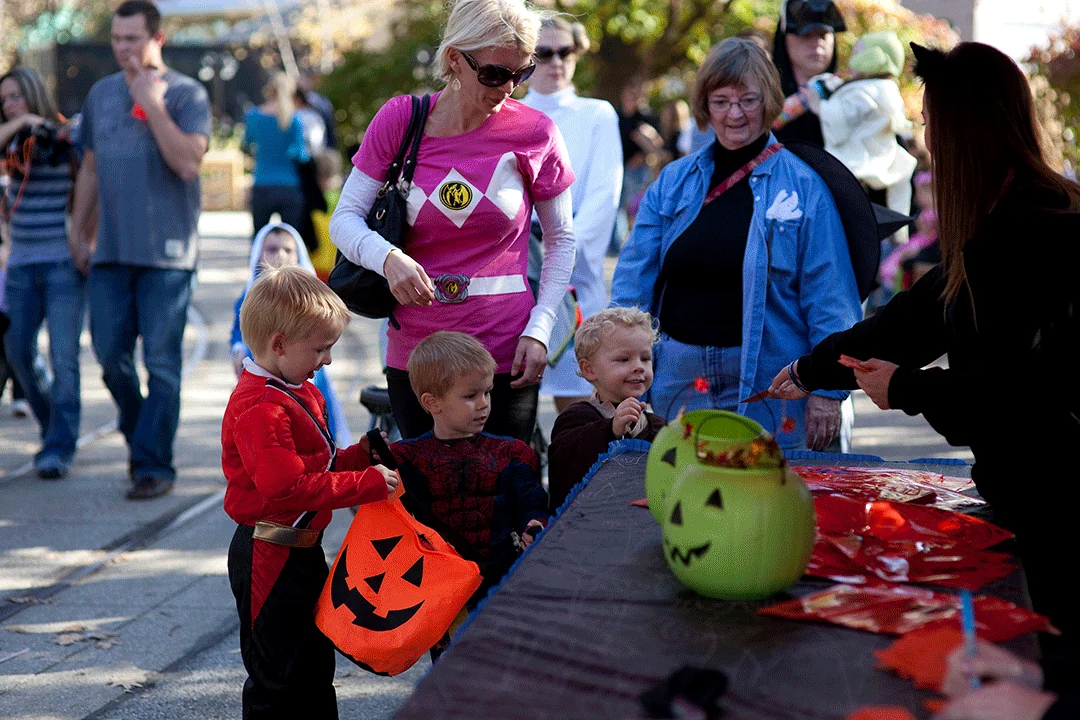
x: 674, y: 447
x: 738, y: 524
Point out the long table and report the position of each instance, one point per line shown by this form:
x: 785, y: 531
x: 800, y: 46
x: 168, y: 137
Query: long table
x: 592, y: 617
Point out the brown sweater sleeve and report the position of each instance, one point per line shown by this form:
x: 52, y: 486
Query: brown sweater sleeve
x: 580, y: 435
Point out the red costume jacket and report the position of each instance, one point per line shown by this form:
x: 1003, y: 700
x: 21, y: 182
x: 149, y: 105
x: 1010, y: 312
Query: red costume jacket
x: 276, y: 463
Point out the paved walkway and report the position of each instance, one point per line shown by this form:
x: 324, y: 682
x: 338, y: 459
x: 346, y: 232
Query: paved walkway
x: 112, y: 609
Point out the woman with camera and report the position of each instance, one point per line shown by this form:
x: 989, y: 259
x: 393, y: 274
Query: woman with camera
x: 43, y: 284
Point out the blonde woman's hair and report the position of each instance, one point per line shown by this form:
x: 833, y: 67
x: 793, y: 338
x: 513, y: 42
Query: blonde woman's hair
x: 733, y: 62
x: 282, y: 89
x: 444, y: 356
x: 576, y: 30
x: 288, y: 300
x: 478, y: 24
x: 592, y: 333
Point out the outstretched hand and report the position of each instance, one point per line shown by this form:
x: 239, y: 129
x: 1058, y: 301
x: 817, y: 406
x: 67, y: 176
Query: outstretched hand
x: 874, y: 377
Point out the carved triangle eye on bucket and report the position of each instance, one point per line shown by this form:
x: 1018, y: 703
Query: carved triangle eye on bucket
x: 669, y: 457
x: 676, y: 514
x: 715, y: 500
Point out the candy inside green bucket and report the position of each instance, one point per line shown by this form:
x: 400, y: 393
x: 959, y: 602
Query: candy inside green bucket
x: 674, y: 446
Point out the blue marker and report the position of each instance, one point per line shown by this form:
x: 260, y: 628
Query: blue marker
x: 967, y: 625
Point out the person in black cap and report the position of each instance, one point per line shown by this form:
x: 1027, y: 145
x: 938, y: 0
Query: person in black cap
x: 803, y: 48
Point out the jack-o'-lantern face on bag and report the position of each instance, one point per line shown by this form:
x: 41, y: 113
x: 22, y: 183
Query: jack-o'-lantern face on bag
x: 380, y: 602
x: 394, y: 590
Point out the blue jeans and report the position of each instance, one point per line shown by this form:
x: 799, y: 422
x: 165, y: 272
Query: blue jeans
x: 127, y: 301
x: 677, y: 365
x: 53, y: 293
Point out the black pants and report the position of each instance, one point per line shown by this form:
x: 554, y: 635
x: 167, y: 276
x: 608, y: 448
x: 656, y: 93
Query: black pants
x: 5, y: 369
x: 290, y: 664
x: 513, y: 411
x: 288, y: 202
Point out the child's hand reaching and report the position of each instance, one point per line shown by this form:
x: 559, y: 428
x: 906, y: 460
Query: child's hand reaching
x: 391, y: 478
x: 626, y: 416
x: 527, y: 537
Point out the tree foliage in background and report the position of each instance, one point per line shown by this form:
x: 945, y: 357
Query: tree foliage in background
x: 1055, y: 85
x: 663, y: 41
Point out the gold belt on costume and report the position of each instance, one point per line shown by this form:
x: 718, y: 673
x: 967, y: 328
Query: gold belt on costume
x: 272, y: 532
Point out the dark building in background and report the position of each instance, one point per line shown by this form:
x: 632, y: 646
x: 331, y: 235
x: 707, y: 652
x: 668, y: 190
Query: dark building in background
x: 234, y: 76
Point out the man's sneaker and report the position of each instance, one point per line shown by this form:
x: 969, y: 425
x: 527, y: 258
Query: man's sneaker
x: 149, y: 487
x: 20, y: 408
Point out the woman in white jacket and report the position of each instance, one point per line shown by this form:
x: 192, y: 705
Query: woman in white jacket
x: 591, y: 130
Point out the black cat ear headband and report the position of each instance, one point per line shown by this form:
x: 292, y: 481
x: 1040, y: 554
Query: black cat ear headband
x: 930, y: 63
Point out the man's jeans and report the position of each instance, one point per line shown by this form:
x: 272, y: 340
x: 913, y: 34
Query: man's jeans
x: 53, y: 293
x: 127, y: 301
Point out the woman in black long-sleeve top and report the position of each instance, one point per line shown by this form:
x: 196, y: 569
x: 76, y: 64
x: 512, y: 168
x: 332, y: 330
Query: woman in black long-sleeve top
x: 1002, y: 305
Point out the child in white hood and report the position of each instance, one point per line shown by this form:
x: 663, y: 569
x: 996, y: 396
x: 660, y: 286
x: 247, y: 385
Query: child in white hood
x: 278, y: 245
x: 861, y: 119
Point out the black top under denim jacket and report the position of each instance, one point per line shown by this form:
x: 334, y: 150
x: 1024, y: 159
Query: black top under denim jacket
x: 1011, y: 392
x: 702, y: 274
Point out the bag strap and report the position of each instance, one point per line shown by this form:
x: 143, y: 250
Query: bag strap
x: 740, y: 174
x: 735, y: 178
x: 410, y: 161
x: 463, y: 547
x: 394, y: 171
x: 323, y: 429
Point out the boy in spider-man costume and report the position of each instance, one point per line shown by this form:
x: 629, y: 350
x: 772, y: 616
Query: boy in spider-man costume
x: 481, y: 492
x: 285, y: 477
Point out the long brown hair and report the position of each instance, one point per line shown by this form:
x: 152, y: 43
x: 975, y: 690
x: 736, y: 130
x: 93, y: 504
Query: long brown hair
x: 983, y: 138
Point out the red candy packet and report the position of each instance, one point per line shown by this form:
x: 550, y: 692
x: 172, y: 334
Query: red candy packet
x: 138, y: 113
x: 881, y: 713
x: 892, y: 521
x: 908, y: 486
x: 899, y: 609
x: 866, y: 560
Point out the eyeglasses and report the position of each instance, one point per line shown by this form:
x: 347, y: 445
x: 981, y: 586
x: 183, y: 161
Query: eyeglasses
x: 545, y: 54
x: 498, y: 75
x: 747, y: 104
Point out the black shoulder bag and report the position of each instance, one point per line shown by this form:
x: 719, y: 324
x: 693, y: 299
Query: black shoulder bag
x: 364, y: 291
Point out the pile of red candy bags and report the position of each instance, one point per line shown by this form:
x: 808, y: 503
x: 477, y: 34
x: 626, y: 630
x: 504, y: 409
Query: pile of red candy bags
x: 862, y: 542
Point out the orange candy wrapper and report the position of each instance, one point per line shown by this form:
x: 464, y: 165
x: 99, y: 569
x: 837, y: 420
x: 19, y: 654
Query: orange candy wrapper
x: 920, y: 656
x: 899, y: 609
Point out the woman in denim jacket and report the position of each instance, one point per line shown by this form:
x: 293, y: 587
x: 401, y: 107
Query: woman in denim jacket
x: 738, y: 249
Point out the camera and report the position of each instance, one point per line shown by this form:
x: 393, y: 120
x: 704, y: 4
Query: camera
x: 50, y: 146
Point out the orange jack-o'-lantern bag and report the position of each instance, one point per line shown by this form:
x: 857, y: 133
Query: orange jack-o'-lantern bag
x: 395, y: 587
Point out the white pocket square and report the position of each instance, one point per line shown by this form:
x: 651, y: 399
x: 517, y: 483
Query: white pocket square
x: 784, y: 207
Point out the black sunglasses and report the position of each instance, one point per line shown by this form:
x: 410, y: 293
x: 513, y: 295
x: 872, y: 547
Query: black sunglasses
x: 545, y: 54
x: 498, y: 75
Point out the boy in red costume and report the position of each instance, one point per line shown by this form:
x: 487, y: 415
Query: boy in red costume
x: 285, y: 478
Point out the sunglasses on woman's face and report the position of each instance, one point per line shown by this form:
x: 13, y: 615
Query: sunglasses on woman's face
x: 498, y: 75
x: 545, y: 54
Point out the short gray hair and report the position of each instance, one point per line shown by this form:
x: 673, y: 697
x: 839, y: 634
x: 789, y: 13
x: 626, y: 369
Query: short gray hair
x: 478, y: 24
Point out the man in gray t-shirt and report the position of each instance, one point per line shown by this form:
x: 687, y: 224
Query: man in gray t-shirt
x: 144, y: 130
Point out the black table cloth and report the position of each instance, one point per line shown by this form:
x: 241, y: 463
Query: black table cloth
x: 592, y: 617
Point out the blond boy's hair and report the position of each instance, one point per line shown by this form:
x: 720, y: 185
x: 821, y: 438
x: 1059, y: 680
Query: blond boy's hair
x: 590, y: 336
x: 442, y: 357
x: 288, y: 300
